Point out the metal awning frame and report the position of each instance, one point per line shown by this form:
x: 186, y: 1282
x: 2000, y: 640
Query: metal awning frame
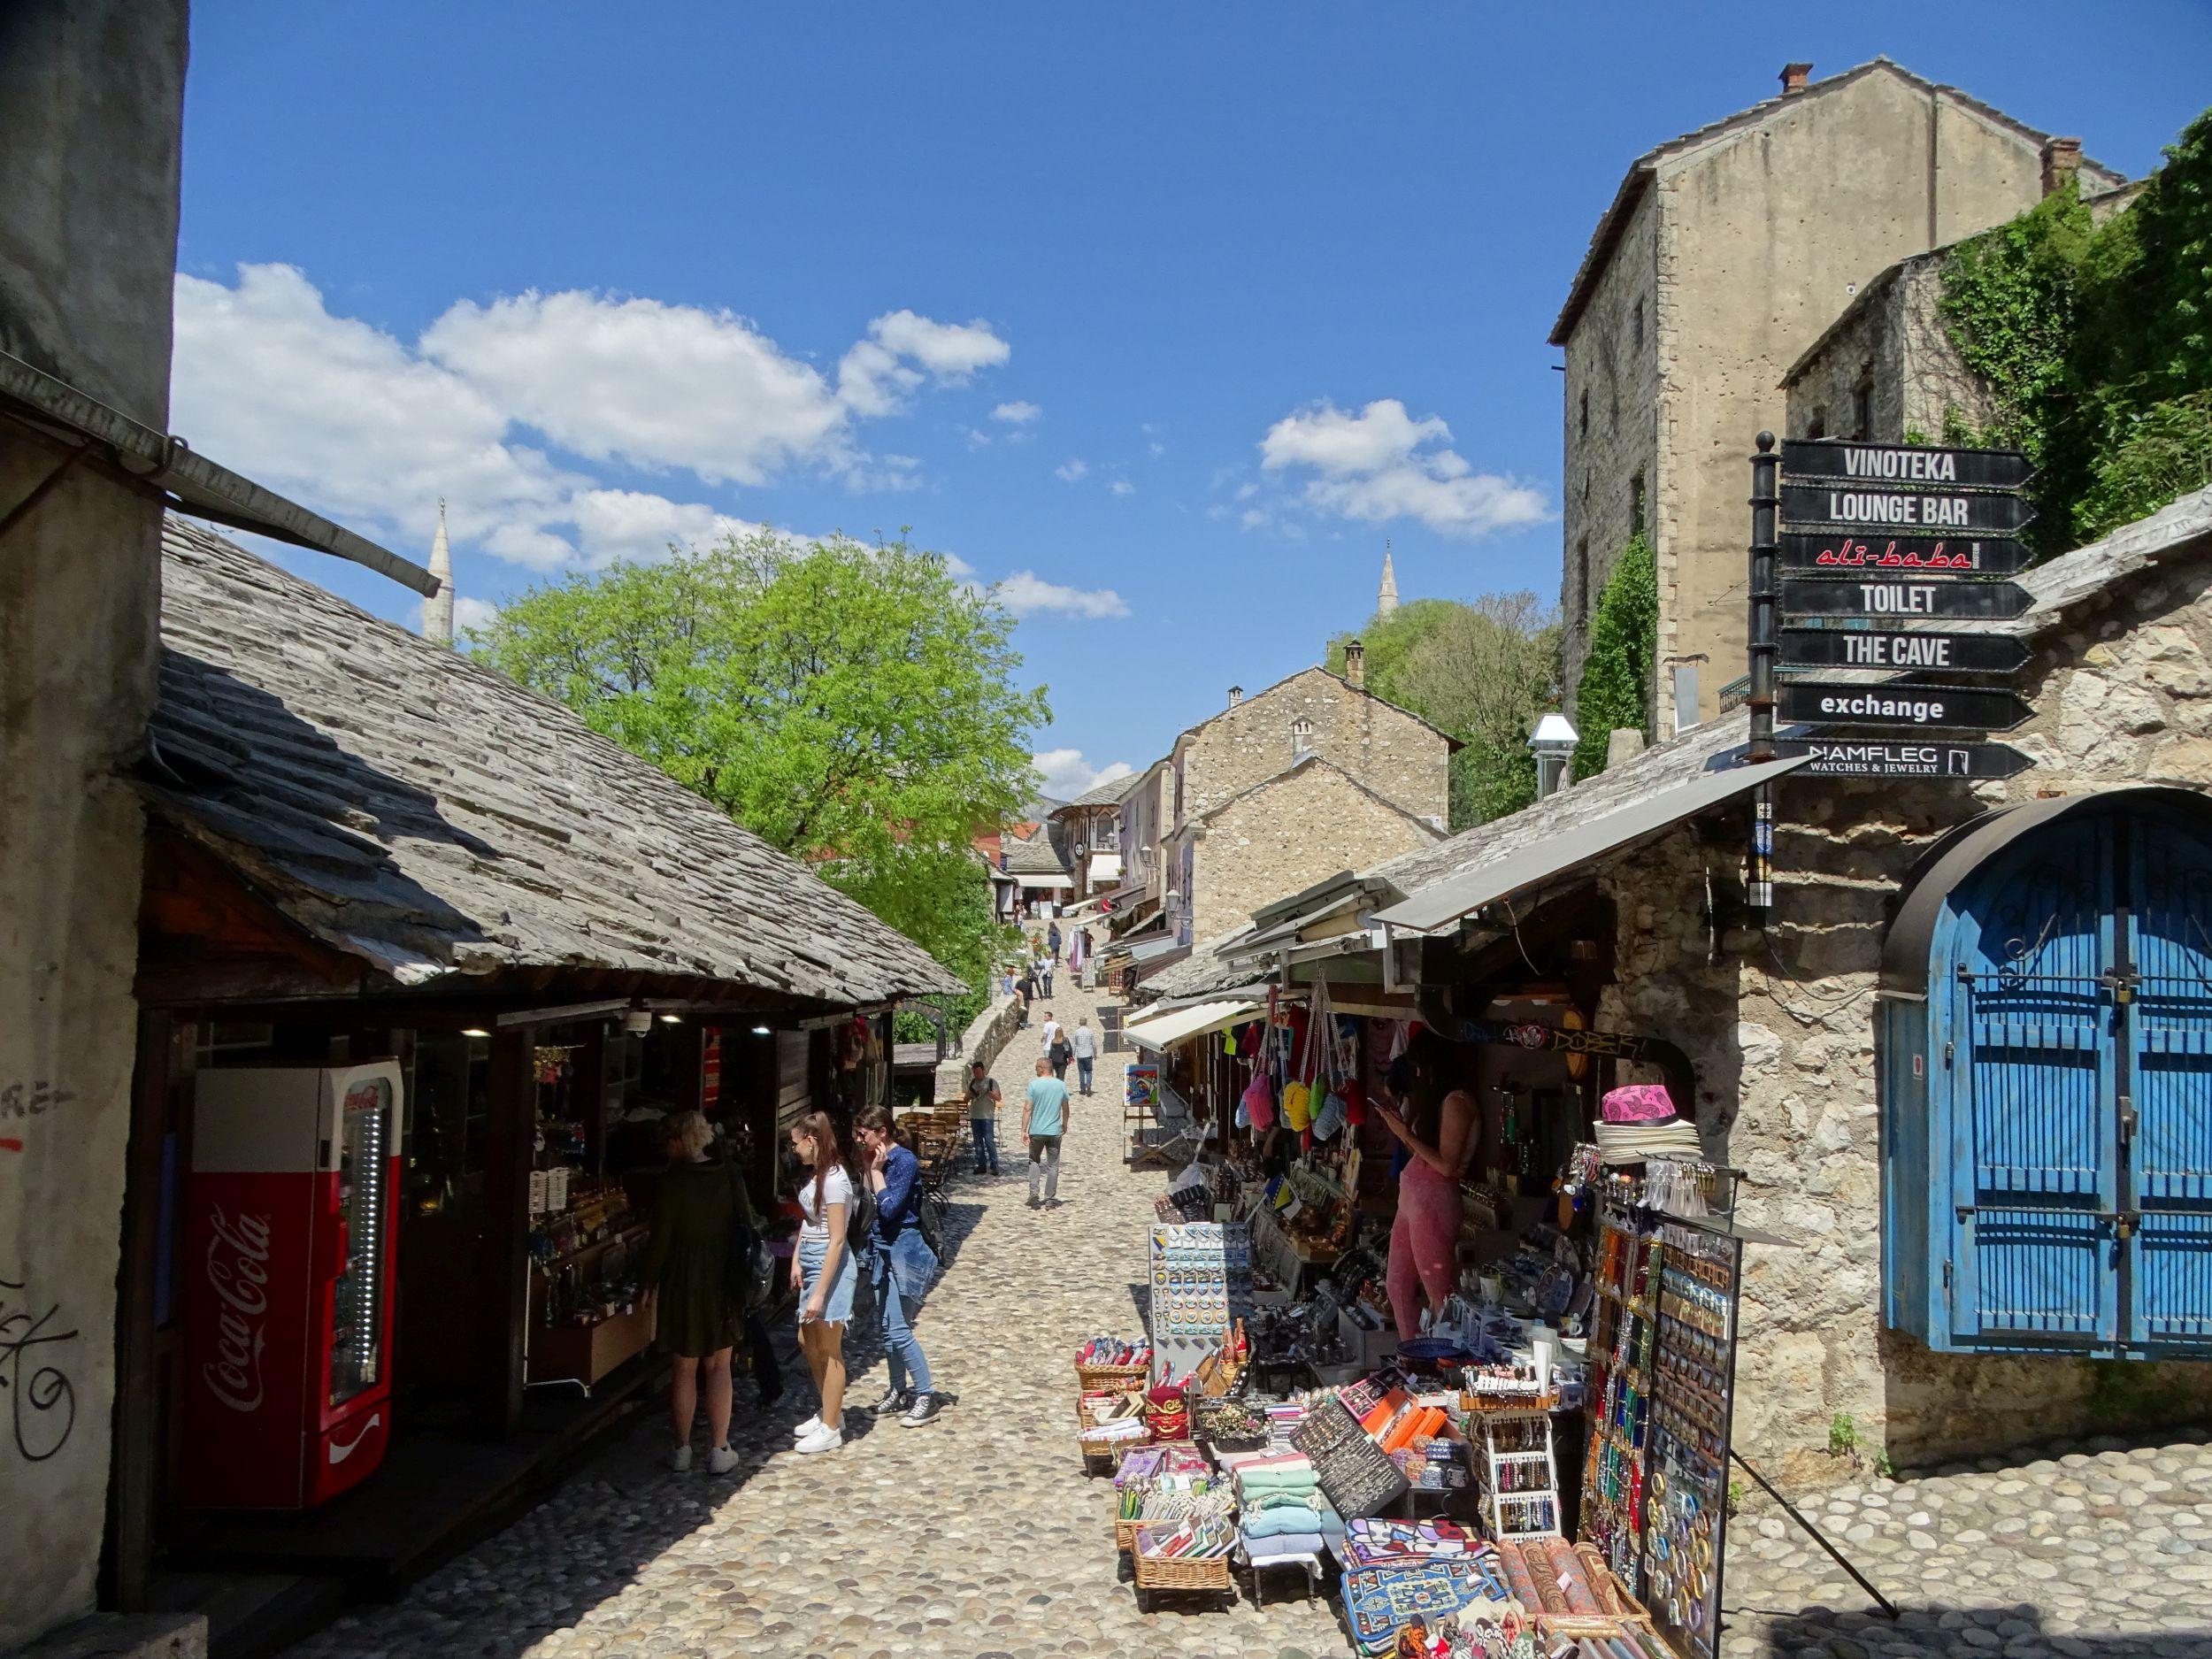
x: 163, y: 467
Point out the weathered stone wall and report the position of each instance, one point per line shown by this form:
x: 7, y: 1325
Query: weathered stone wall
x: 1276, y: 841
x: 1781, y: 1028
x: 1144, y: 826
x: 1616, y: 378
x: 90, y: 97
x: 1390, y: 751
x: 984, y: 1038
x: 1895, y: 340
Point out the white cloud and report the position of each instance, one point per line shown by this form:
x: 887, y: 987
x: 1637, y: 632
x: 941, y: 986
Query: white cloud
x: 1020, y: 412
x: 472, y: 613
x: 1067, y: 774
x: 1252, y: 518
x: 1380, y: 463
x: 1122, y: 486
x: 1025, y: 593
x: 1070, y: 470
x: 1156, y: 448
x: 373, y: 431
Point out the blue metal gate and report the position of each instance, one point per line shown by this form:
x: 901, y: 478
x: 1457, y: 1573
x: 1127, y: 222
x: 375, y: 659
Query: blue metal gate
x: 2071, y: 1005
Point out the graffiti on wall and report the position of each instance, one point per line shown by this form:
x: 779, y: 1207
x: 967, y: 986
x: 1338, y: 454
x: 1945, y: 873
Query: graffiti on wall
x: 42, y: 1399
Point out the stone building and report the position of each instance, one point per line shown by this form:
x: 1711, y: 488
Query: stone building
x: 1381, y: 787
x: 1089, y: 826
x: 1887, y: 371
x: 1962, y: 1065
x: 1722, y: 257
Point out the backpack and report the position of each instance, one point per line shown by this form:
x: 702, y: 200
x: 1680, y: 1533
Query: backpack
x: 749, y: 1267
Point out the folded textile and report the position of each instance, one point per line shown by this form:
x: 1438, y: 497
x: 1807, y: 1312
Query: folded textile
x: 1261, y: 1502
x: 1287, y: 1544
x: 1275, y: 1522
x: 1278, y: 1479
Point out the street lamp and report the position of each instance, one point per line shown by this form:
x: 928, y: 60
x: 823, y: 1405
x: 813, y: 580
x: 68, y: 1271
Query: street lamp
x: 1552, y: 741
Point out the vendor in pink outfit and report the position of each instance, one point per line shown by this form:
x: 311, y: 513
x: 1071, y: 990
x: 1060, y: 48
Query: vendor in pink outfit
x: 1440, y: 1129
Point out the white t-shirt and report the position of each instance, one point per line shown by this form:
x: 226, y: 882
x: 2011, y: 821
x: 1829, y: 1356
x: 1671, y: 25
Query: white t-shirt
x: 837, y: 1189
x: 1051, y: 1035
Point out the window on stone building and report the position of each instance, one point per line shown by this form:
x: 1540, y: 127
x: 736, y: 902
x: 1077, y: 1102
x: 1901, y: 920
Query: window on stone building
x: 1636, y: 330
x: 1582, y: 579
x: 1636, y: 505
x: 1817, y: 425
x: 1300, y: 736
x: 1586, y: 416
x: 1862, y: 407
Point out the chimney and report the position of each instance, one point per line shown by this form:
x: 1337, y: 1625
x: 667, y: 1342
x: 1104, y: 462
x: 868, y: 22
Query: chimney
x: 1793, y: 78
x: 2062, y: 163
x: 1355, y: 665
x: 1236, y: 695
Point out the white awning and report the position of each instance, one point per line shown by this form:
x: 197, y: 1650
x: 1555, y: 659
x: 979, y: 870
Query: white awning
x: 1163, y: 1031
x: 1105, y: 868
x: 1487, y: 881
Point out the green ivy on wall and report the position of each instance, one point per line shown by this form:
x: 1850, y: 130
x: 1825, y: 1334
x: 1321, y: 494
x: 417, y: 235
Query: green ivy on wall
x: 2096, y: 344
x: 1614, y: 690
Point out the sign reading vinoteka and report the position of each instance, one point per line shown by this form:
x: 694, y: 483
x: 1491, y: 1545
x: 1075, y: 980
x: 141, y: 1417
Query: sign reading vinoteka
x: 1904, y: 463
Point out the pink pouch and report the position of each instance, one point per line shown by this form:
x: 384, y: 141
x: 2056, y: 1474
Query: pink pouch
x: 1639, y: 1103
x: 1259, y: 1102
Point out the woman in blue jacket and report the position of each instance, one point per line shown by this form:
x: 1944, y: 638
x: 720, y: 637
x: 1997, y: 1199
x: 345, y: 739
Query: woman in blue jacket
x: 901, y: 1267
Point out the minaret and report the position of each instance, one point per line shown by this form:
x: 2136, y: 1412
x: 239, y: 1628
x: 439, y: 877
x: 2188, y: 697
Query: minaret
x: 437, y: 610
x: 1387, y: 600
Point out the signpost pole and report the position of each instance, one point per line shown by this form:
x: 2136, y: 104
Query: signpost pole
x: 1765, y: 500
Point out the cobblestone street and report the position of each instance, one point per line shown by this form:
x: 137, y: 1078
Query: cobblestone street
x: 981, y: 1535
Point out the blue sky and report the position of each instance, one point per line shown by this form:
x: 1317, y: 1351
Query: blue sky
x: 1163, y: 316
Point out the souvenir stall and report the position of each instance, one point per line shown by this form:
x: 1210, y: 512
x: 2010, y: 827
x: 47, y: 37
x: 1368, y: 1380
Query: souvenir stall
x: 1539, y: 1470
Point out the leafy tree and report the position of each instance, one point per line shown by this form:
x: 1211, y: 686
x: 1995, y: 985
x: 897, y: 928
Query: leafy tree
x: 2165, y: 453
x: 1481, y: 671
x: 853, y: 705
x: 1614, y: 690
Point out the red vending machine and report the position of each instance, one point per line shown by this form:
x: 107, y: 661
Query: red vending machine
x: 289, y: 1266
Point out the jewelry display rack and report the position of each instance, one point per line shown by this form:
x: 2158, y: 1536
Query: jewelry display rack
x: 1200, y: 1274
x: 1520, y: 1477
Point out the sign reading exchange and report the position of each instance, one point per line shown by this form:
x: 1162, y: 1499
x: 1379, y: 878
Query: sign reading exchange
x: 1940, y: 708
x: 1905, y: 509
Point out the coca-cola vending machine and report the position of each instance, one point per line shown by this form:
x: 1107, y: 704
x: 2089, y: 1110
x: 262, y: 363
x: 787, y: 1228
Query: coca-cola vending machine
x: 289, y: 1266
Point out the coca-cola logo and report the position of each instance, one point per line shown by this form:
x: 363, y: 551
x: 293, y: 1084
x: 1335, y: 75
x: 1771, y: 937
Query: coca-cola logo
x: 238, y: 1273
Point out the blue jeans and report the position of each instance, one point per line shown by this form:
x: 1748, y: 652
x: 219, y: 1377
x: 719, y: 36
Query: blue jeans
x: 985, y: 1132
x: 1083, y: 1064
x: 910, y: 1259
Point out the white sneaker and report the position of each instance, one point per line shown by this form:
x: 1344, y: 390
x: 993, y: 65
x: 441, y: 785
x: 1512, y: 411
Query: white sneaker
x: 680, y: 1459
x: 720, y: 1460
x: 805, y: 1426
x: 824, y: 1439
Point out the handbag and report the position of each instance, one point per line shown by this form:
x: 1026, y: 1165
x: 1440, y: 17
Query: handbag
x: 747, y: 1266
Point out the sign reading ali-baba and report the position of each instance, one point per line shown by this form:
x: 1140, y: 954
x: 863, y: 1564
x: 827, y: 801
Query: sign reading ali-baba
x: 1878, y: 648
x: 1899, y: 706
x: 1845, y: 553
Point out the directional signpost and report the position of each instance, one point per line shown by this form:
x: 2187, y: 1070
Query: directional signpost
x: 1903, y: 597
x: 1900, y: 649
x: 1873, y: 539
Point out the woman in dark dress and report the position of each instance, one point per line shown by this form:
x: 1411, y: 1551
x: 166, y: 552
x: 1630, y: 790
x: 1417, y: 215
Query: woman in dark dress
x: 685, y: 1269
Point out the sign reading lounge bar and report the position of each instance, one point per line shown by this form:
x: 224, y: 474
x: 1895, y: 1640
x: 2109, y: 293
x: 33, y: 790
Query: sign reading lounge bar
x: 1886, y: 596
x: 1904, y: 464
x: 1882, y: 648
x: 1845, y: 552
x: 1899, y: 706
x: 1886, y: 506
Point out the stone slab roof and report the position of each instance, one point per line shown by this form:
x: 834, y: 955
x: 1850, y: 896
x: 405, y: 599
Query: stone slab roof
x: 1205, y: 969
x: 1112, y: 793
x: 1040, y: 855
x: 1614, y: 221
x: 409, y: 806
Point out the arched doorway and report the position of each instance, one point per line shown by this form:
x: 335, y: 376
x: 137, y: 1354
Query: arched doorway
x: 2047, y: 1082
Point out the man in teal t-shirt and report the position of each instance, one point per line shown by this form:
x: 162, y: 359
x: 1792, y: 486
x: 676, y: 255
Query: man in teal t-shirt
x: 1048, y: 1122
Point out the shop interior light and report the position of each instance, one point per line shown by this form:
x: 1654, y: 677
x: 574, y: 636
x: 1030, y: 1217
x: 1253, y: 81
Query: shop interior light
x: 672, y: 1019
x: 474, y: 1031
x: 760, y: 1031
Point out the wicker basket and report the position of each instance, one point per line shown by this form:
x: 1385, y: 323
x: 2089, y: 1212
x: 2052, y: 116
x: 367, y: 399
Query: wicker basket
x: 1126, y: 1535
x: 1206, y: 1575
x: 1090, y: 1378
